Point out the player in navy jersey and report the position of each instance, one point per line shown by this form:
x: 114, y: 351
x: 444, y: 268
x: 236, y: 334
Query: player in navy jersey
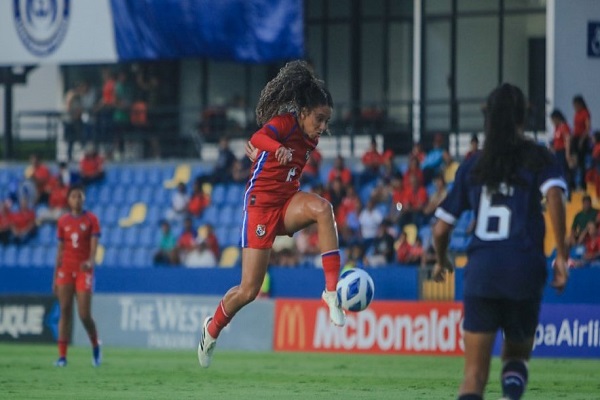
x: 78, y: 233
x: 293, y: 111
x: 506, y: 270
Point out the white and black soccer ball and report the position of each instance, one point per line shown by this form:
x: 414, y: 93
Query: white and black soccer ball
x: 355, y: 290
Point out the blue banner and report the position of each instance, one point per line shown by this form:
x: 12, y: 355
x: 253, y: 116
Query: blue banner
x: 236, y: 30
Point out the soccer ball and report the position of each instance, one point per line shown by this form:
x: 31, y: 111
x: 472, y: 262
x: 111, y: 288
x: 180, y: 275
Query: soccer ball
x: 355, y: 290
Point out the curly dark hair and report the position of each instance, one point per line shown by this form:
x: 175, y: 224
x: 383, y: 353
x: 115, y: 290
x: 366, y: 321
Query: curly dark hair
x: 295, y: 87
x: 505, y: 149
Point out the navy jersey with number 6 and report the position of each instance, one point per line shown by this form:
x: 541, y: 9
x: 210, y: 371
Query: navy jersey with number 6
x: 506, y: 254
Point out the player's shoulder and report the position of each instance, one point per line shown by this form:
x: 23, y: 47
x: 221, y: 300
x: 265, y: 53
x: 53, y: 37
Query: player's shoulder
x: 63, y: 219
x: 283, y: 121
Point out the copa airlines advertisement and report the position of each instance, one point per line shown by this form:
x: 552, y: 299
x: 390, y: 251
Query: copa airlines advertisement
x: 433, y: 328
x: 102, y: 31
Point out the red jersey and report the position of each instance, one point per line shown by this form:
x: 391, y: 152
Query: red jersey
x: 372, y: 159
x: 416, y: 199
x: 58, y: 197
x: 579, y: 122
x: 344, y: 174
x: 22, y: 219
x: 91, y: 165
x: 42, y: 175
x: 272, y: 184
x: 562, y: 133
x: 76, y: 231
x: 109, y: 97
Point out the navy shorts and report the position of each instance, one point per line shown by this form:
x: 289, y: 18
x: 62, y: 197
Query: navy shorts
x: 518, y: 319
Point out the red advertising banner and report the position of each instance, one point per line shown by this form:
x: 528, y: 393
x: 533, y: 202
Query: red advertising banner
x: 397, y: 327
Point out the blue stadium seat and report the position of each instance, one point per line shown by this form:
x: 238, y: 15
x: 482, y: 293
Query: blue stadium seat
x: 153, y: 215
x: 147, y: 237
x: 233, y: 237
x: 211, y: 215
x: 118, y: 195
x: 114, y: 237
x: 227, y: 217
x: 463, y: 222
x: 142, y: 258
x: 365, y: 192
x: 10, y: 256
x: 162, y: 196
x: 92, y: 192
x: 125, y: 257
x: 140, y: 176
x: 106, y: 233
x: 154, y: 177
x: 145, y: 195
x: 110, y: 216
x: 217, y: 196
x: 222, y: 233
x: 459, y: 243
x: 24, y: 257
x: 110, y: 257
x: 2, y: 256
x: 105, y: 195
x: 126, y: 177
x: 113, y: 175
x: 51, y: 256
x: 132, y: 236
x: 47, y: 234
x: 38, y: 257
x: 132, y: 195
x: 234, y: 194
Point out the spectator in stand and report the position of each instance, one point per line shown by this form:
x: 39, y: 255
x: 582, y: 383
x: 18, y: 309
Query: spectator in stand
x: 166, y: 245
x: 212, y: 242
x: 417, y: 152
x: 370, y: 218
x: 383, y: 246
x: 371, y: 161
x: 179, y: 203
x: 224, y: 164
x: 561, y: 146
x: 415, y: 201
x: 39, y: 174
x: 414, y: 168
x: 436, y: 197
x: 590, y: 239
x: 307, y: 242
x: 198, y: 201
x: 398, y: 199
x: 416, y: 253
x: 582, y: 124
x: 185, y: 243
x: 403, y: 249
x: 240, y: 171
x: 355, y: 257
x: 473, y: 147
x: 594, y: 172
x: 388, y: 168
x: 22, y: 223
x: 350, y: 204
x: 5, y: 222
x: 311, y: 172
x: 581, y: 220
x: 57, y: 204
x: 200, y: 256
x: 335, y: 194
x: 339, y: 170
x: 106, y: 107
x: 91, y: 166
x: 434, y: 160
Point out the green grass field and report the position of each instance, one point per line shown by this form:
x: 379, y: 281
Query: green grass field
x: 26, y: 372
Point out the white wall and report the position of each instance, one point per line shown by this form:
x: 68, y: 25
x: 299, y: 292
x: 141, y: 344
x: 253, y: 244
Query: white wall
x: 574, y: 72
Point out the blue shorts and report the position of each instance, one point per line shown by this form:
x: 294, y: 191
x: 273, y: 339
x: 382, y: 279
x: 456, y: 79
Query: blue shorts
x: 518, y: 319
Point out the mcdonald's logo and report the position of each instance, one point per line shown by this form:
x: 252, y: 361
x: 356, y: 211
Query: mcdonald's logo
x: 291, y: 327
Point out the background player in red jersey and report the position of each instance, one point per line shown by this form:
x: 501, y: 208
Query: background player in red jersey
x: 293, y: 111
x: 78, y: 233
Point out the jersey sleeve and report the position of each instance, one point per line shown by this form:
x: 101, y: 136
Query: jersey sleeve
x: 551, y: 176
x: 95, y: 225
x: 60, y: 233
x: 457, y: 200
x: 270, y: 136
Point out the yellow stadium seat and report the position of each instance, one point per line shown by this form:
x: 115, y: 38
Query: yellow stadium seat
x: 99, y: 254
x: 460, y: 261
x: 183, y: 173
x: 411, y: 233
x: 229, y: 257
x: 137, y: 215
x: 450, y: 172
x: 207, y: 188
x: 202, y: 232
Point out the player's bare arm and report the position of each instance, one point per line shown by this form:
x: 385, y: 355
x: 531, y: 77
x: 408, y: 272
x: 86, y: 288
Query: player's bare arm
x: 88, y: 265
x: 59, y: 256
x: 556, y: 209
x: 441, y: 238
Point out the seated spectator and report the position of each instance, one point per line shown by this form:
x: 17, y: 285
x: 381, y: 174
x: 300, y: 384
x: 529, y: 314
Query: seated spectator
x: 403, y: 249
x: 22, y: 223
x: 335, y: 193
x: 64, y: 174
x: 57, y: 204
x: 199, y: 200
x: 91, y: 166
x: 350, y: 204
x: 388, y: 168
x: 370, y: 218
x: 415, y: 200
x: 354, y: 257
x: 5, y: 222
x: 593, y: 174
x: 185, y: 243
x: 581, y: 220
x: 166, y: 245
x: 179, y: 203
x: 414, y: 168
x: 371, y: 161
x: 38, y: 174
x: 591, y: 241
x: 222, y: 172
x: 339, y: 170
x: 311, y: 172
x: 383, y: 246
x: 417, y: 152
x: 307, y: 243
x: 240, y: 171
x: 434, y: 160
x: 211, y: 241
x: 416, y: 253
x: 200, y: 256
x: 473, y: 147
x: 436, y: 198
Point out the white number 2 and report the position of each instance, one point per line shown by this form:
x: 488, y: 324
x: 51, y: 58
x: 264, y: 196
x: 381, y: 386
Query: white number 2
x: 487, y: 211
x: 75, y: 240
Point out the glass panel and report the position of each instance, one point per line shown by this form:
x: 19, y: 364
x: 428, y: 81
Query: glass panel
x: 372, y: 8
x: 401, y: 8
x: 477, y: 5
x: 477, y: 56
x: 314, y: 8
x: 400, y: 73
x: 338, y: 62
x: 525, y: 4
x: 437, y: 72
x: 371, y: 63
x: 314, y: 47
x: 226, y: 80
x: 437, y: 6
x: 339, y: 8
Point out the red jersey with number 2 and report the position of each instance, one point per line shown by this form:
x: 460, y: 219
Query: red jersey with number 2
x: 272, y: 184
x: 76, y: 234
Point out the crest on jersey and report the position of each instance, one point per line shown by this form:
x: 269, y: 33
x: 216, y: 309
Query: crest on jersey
x: 261, y: 230
x: 83, y: 227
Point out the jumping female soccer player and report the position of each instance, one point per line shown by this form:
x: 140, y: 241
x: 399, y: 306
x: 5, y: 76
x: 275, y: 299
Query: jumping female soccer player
x: 506, y: 270
x: 78, y: 233
x: 293, y: 111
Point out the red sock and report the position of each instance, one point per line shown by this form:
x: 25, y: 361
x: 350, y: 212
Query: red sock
x: 220, y: 320
x: 331, y: 268
x: 62, y: 348
x: 94, y: 340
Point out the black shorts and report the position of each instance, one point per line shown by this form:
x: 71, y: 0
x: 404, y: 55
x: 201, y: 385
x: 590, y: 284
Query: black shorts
x: 518, y: 319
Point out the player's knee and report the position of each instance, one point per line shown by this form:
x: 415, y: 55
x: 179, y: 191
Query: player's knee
x: 323, y: 210
x: 247, y: 294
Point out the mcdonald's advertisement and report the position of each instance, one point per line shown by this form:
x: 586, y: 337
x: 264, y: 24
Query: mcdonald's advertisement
x: 385, y: 327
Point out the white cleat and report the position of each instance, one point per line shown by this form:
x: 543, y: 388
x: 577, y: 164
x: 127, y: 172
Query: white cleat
x: 336, y: 314
x: 207, y: 344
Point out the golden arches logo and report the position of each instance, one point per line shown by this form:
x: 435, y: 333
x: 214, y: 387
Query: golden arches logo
x: 291, y: 327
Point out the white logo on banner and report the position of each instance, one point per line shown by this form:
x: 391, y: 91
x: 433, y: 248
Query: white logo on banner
x: 41, y: 24
x: 21, y: 320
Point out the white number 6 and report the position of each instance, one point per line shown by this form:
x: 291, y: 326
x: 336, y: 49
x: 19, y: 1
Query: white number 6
x: 486, y: 212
